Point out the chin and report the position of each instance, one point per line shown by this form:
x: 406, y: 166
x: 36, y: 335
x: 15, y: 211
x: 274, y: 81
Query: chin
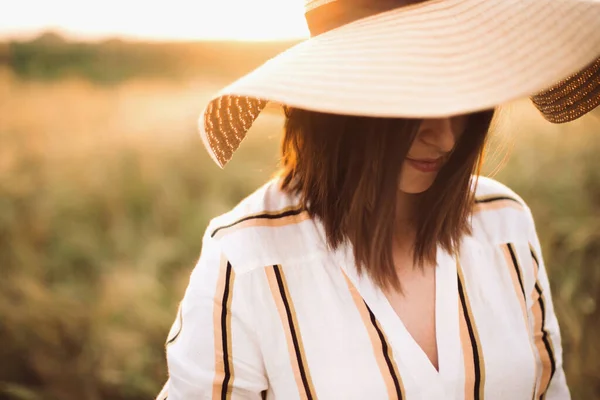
x: 415, y: 187
x: 415, y: 190
x: 415, y: 183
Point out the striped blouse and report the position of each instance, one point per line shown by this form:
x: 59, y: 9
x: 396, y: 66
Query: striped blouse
x: 271, y: 312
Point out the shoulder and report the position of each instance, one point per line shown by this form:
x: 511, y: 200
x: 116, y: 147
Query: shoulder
x: 490, y: 190
x: 268, y: 203
x: 499, y: 213
x: 503, y: 235
x: 268, y: 227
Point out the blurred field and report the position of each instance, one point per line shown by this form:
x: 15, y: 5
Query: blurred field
x: 105, y: 192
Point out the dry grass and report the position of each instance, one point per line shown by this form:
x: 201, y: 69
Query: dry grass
x: 104, y: 196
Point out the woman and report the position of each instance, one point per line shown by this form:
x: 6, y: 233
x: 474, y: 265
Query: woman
x: 377, y: 264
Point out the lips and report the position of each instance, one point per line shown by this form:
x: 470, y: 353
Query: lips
x: 426, y: 165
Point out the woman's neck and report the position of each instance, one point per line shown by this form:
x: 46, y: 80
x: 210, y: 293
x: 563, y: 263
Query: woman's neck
x: 406, y: 208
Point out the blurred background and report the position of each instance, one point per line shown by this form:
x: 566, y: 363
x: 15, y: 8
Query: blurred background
x: 105, y: 189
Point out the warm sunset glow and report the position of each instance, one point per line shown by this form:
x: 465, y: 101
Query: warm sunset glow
x: 166, y: 20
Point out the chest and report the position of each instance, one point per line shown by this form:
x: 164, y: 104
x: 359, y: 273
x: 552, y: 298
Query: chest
x: 350, y: 340
x: 414, y: 305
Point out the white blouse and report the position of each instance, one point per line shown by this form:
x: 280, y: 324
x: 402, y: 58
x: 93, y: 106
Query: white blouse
x: 271, y: 312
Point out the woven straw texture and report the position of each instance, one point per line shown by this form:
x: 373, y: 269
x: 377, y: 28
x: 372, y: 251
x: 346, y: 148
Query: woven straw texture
x: 572, y: 97
x: 438, y: 58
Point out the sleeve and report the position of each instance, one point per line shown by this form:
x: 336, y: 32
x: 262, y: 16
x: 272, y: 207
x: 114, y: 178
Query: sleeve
x: 551, y: 381
x: 212, y: 350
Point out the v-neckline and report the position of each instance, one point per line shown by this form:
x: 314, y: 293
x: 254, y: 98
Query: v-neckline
x: 406, y: 350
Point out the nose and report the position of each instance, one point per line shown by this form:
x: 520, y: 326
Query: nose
x: 438, y: 133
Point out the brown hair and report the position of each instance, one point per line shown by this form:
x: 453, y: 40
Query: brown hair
x: 346, y: 171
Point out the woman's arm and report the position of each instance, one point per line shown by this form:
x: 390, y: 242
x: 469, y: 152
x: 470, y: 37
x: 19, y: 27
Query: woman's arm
x: 546, y: 332
x: 212, y: 351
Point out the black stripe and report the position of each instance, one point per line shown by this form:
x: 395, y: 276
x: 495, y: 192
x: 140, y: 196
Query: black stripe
x: 515, y: 262
x: 545, y: 338
x: 384, y: 347
x: 496, y: 198
x: 260, y: 216
x: 293, y: 331
x: 180, y: 318
x: 474, y: 346
x: 534, y: 256
x: 227, y: 367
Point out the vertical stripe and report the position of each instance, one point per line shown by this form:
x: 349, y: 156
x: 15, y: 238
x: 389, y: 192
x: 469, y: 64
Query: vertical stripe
x: 287, y: 313
x: 382, y: 350
x: 516, y: 274
x: 177, y: 327
x: 471, y: 345
x: 540, y: 334
x: 222, y: 383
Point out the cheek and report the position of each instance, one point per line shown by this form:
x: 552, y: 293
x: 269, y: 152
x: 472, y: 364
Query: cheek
x: 414, y: 146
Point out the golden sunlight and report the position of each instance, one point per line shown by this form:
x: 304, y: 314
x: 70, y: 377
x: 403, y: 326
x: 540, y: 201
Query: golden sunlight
x: 172, y: 20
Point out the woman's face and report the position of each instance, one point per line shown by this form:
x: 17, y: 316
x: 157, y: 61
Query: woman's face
x: 429, y: 152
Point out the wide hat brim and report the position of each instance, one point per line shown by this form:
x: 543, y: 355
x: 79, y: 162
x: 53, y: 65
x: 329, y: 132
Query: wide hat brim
x: 434, y: 59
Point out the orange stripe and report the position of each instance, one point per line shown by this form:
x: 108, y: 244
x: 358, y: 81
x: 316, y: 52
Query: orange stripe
x: 543, y: 352
x: 283, y: 221
x: 542, y: 342
x: 497, y: 205
x: 287, y: 313
x: 516, y: 274
x: 286, y: 216
x: 471, y: 345
x: 491, y: 198
x: 517, y: 277
x: 382, y: 350
x: 468, y: 358
x: 222, y: 383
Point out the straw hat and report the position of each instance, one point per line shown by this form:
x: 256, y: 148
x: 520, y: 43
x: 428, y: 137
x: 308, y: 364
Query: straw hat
x: 393, y: 58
